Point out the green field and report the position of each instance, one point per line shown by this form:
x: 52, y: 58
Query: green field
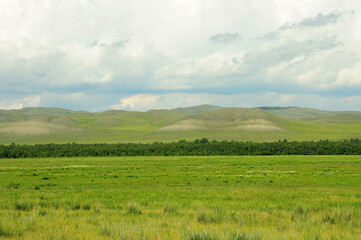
x: 250, y: 198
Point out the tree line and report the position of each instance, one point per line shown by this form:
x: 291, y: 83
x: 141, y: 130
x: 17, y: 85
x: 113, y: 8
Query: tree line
x: 198, y: 147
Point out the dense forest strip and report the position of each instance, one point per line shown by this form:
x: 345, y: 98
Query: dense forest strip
x: 199, y: 147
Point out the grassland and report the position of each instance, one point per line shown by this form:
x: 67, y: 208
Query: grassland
x: 52, y: 125
x: 281, y: 197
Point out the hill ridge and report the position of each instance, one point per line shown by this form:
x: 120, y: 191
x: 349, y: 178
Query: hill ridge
x: 44, y: 125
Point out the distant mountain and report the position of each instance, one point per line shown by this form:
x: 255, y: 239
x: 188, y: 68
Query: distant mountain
x: 296, y: 113
x: 228, y: 119
x: 43, y: 111
x: 196, y: 109
x: 11, y: 116
x: 273, y: 108
x: 44, y: 125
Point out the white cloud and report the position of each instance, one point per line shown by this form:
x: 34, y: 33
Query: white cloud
x: 285, y: 99
x: 143, y: 102
x: 29, y: 101
x: 209, y: 71
x: 352, y: 103
x: 12, y: 105
x: 138, y: 102
x: 350, y: 77
x: 102, y: 77
x: 115, y: 48
x: 224, y: 38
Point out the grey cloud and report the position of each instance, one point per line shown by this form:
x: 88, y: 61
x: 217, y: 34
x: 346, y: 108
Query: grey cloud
x: 271, y: 36
x: 318, y: 21
x: 291, y: 50
x: 118, y: 44
x: 224, y: 37
x: 29, y: 76
x: 249, y: 69
x: 116, y: 47
x: 312, y: 22
x: 58, y: 70
x: 92, y: 2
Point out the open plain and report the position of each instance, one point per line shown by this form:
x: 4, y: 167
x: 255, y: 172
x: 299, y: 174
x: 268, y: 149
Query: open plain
x: 254, y: 197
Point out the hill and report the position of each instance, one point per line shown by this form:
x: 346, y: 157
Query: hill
x: 55, y: 125
x: 197, y: 109
x: 297, y: 113
x: 42, y: 111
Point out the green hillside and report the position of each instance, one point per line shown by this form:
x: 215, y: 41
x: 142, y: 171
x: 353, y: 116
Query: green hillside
x: 43, y: 111
x: 197, y: 109
x: 296, y: 113
x: 44, y: 125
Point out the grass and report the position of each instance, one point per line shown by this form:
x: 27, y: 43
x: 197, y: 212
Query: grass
x: 133, y: 208
x: 222, y: 198
x: 43, y: 125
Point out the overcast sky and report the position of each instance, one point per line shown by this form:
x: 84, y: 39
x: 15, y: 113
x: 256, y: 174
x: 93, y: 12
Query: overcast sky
x: 138, y: 54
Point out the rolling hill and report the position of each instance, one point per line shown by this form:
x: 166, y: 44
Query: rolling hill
x: 55, y: 125
x: 197, y: 109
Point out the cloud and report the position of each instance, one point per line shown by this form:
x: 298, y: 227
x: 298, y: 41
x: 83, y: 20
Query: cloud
x: 143, y: 102
x: 93, y: 102
x: 318, y: 21
x: 216, y: 67
x: 146, y: 101
x: 117, y: 44
x: 110, y: 50
x: 266, y: 65
x: 29, y: 101
x: 224, y: 37
x: 349, y: 76
x: 321, y: 22
x: 101, y: 77
x: 289, y: 49
x: 136, y: 102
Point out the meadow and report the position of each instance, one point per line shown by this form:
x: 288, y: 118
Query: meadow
x: 249, y: 198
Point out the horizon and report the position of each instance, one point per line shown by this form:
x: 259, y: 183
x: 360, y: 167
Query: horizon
x: 184, y: 107
x: 99, y: 55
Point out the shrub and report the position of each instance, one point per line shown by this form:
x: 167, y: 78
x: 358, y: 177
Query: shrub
x: 202, y: 236
x: 132, y: 208
x: 97, y: 210
x: 329, y: 219
x: 42, y: 212
x: 24, y: 205
x: 76, y: 206
x: 5, y: 232
x: 301, y: 210
x: 214, y: 217
x: 105, y: 230
x: 9, y: 231
x: 245, y: 236
x: 14, y: 185
x: 203, y: 217
x: 169, y: 208
x: 86, y: 206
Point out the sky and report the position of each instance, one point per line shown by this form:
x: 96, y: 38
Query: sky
x: 97, y: 55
